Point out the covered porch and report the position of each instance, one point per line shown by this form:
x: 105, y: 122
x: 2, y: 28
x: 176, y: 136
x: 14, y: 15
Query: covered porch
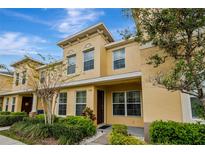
x: 119, y: 102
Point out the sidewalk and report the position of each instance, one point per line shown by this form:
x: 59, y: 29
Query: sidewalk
x: 8, y: 141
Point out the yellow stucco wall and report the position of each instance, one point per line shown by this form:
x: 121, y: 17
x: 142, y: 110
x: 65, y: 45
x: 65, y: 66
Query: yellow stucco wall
x: 17, y: 104
x: 27, y: 66
x: 96, y: 42
x: 159, y: 103
x: 6, y: 83
x: 132, y: 59
x: 71, y: 98
x: 128, y: 120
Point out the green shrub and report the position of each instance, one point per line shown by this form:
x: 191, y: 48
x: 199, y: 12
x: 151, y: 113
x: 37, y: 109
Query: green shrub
x: 41, y: 117
x: 171, y: 132
x: 119, y: 136
x: 66, y: 134
x: 86, y: 124
x: 118, y: 128
x: 18, y: 113
x: 33, y: 120
x: 5, y: 113
x: 89, y: 113
x: 32, y: 131
x: 120, y: 139
x: 7, y: 120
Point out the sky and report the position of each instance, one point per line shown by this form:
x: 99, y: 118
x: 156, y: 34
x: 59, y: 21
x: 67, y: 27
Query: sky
x: 36, y: 31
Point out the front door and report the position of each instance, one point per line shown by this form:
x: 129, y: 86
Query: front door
x: 26, y: 104
x: 100, y: 106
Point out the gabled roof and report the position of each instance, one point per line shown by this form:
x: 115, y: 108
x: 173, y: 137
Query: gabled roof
x: 88, y: 31
x: 8, y: 74
x: 51, y: 64
x: 26, y: 58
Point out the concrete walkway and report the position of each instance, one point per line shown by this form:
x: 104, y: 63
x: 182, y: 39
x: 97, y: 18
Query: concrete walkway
x: 101, y: 138
x: 8, y: 141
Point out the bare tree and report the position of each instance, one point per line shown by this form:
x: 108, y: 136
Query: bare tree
x: 46, y: 82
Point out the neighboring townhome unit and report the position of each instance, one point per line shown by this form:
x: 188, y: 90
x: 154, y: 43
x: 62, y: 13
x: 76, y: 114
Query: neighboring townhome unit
x: 111, y: 77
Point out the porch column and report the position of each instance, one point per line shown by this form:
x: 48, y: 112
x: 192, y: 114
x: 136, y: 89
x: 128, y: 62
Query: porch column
x: 34, y: 103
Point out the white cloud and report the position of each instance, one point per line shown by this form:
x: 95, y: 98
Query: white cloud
x: 9, y: 12
x: 16, y: 43
x: 77, y: 19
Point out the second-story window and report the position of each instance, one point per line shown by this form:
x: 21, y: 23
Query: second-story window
x: 24, y: 77
x: 88, y: 59
x: 119, y: 59
x: 42, y: 76
x: 17, y: 79
x: 71, y: 64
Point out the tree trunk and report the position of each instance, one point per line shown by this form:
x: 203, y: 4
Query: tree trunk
x: 44, y: 108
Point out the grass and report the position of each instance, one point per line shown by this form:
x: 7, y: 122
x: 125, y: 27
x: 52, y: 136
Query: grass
x: 9, y: 134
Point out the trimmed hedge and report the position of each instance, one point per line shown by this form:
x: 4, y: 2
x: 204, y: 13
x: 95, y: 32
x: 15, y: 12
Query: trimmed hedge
x: 86, y: 124
x: 170, y: 132
x: 120, y: 139
x: 7, y: 120
x: 119, y: 136
x: 5, y: 113
x: 118, y: 128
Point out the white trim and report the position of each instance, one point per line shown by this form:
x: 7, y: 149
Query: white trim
x: 119, y: 43
x: 80, y: 103
x: 130, y: 75
x: 89, y: 50
x: 103, y: 79
x: 85, y: 31
x: 26, y: 58
x: 46, y: 65
x: 113, y: 59
x: 125, y: 103
x: 7, y: 75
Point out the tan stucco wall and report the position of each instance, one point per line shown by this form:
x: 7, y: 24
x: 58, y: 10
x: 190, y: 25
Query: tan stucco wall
x: 30, y: 72
x: 132, y: 59
x: 17, y: 105
x: 6, y: 83
x: 127, y: 120
x: 159, y: 103
x: 71, y: 98
x: 95, y: 41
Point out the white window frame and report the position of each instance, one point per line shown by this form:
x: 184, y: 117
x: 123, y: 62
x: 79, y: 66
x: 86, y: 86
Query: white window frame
x: 23, y: 77
x: 125, y: 103
x: 89, y: 50
x: 73, y: 55
x: 80, y: 103
x: 13, y: 103
x: 118, y: 50
x: 7, y: 104
x: 63, y: 104
x: 17, y: 79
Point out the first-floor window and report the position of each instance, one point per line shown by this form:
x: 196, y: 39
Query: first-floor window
x: 80, y: 102
x: 197, y: 109
x: 62, y: 104
x: 7, y: 104
x: 126, y: 103
x: 13, y: 104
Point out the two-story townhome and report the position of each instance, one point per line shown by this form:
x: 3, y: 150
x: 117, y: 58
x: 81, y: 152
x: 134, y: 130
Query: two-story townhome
x: 6, y: 80
x: 111, y: 77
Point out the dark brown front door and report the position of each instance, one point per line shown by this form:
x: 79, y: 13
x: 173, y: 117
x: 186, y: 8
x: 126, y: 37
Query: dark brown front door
x: 26, y: 104
x: 100, y: 106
